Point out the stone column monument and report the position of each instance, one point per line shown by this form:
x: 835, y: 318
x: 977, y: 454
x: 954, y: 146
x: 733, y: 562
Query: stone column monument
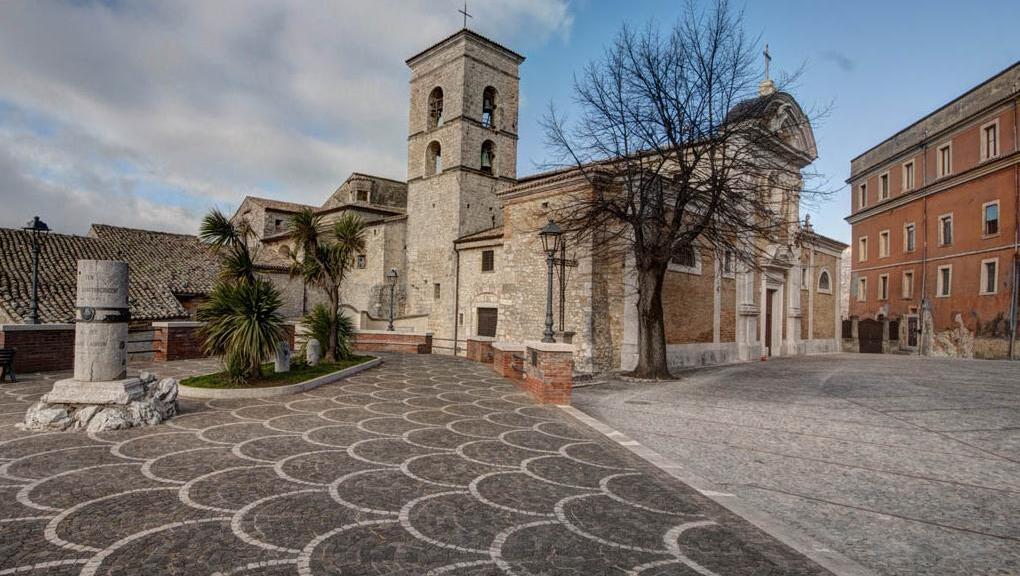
x: 101, y: 396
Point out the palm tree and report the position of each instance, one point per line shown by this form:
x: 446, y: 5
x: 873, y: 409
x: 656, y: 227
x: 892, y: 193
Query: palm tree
x: 242, y: 319
x: 324, y: 257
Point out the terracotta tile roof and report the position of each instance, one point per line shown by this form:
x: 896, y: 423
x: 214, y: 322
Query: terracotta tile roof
x: 161, y: 265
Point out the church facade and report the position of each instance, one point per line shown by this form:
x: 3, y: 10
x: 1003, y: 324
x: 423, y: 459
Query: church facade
x: 462, y: 234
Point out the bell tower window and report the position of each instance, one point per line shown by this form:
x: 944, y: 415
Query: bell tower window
x: 488, y: 156
x: 488, y: 107
x: 436, y: 107
x: 433, y: 159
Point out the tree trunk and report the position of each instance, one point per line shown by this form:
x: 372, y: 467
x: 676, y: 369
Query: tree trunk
x: 651, y: 327
x: 334, y: 313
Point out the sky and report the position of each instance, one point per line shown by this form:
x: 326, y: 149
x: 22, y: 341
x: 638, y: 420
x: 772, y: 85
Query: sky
x: 148, y: 114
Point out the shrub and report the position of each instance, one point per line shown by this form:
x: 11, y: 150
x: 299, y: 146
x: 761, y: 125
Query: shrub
x: 318, y: 322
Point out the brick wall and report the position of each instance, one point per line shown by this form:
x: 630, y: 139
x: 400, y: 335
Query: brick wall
x: 479, y: 349
x: 45, y: 347
x: 384, y: 341
x: 549, y: 372
x: 176, y: 341
x: 507, y: 360
x: 181, y: 341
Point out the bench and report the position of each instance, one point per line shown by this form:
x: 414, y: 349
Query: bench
x: 7, y: 364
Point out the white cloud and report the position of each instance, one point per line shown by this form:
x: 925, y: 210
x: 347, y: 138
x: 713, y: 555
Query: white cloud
x: 149, y: 113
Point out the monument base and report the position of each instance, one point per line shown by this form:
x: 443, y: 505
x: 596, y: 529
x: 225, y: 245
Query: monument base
x: 73, y: 391
x: 102, y: 406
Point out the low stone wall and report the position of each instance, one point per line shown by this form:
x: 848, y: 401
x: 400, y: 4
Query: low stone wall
x: 508, y: 360
x: 180, y: 340
x: 549, y: 371
x: 40, y: 347
x: 701, y: 354
x: 386, y: 341
x: 821, y: 346
x: 176, y: 341
x: 479, y: 349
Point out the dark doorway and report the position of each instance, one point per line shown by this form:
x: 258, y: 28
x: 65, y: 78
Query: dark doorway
x: 870, y: 334
x: 913, y: 327
x: 487, y: 319
x: 769, y: 297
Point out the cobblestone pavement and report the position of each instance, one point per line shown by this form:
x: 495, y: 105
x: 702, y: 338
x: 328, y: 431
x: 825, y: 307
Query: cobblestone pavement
x: 426, y: 465
x: 907, y: 465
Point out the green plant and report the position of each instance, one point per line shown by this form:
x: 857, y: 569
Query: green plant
x: 318, y: 323
x: 241, y: 319
x: 326, y: 256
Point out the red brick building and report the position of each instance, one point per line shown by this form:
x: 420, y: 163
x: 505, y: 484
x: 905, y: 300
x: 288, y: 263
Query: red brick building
x: 935, y: 227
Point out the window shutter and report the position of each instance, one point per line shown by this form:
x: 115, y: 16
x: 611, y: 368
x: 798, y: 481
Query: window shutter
x: 487, y: 318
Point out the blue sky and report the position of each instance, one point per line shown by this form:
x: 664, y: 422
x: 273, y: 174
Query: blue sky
x: 881, y: 65
x: 148, y: 114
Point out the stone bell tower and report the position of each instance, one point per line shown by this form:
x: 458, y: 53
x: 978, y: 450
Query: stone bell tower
x: 461, y: 150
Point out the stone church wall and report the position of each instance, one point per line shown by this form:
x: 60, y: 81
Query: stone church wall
x: 524, y: 286
x: 479, y: 289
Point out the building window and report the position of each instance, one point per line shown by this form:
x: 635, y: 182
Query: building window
x: 488, y: 106
x: 862, y: 196
x: 487, y: 320
x: 685, y: 259
x: 824, y: 281
x: 945, y: 230
x: 436, y: 291
x: 908, y: 176
x: 433, y: 159
x: 883, y: 244
x: 862, y: 289
x: 945, y: 160
x: 362, y: 196
x: 944, y: 281
x: 488, y: 156
x: 488, y: 260
x: 989, y: 276
x: 883, y: 287
x: 991, y: 218
x: 727, y: 267
x: 990, y: 140
x: 862, y: 249
x: 883, y: 186
x: 361, y: 260
x: 907, y: 290
x: 909, y: 237
x: 435, y: 108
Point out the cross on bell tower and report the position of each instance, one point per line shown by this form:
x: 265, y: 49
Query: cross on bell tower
x: 767, y: 86
x: 466, y: 14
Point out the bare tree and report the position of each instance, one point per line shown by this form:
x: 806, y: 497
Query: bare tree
x: 684, y: 150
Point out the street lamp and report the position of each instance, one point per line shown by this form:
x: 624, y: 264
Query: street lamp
x: 550, y: 236
x: 36, y: 228
x: 391, y: 279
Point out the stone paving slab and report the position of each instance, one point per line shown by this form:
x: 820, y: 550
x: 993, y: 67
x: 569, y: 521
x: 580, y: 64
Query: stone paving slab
x: 907, y: 465
x: 426, y: 465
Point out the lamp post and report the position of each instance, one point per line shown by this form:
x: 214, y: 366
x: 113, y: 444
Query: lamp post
x: 391, y: 279
x: 36, y: 228
x: 550, y: 236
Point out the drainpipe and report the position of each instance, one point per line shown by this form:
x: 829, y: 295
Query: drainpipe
x: 456, y: 298
x: 924, y: 245
x: 1016, y: 234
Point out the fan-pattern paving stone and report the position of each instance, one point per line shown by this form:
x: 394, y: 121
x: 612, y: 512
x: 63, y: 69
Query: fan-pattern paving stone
x: 425, y: 465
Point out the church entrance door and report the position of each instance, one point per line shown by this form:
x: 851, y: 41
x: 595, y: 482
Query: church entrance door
x: 770, y: 295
